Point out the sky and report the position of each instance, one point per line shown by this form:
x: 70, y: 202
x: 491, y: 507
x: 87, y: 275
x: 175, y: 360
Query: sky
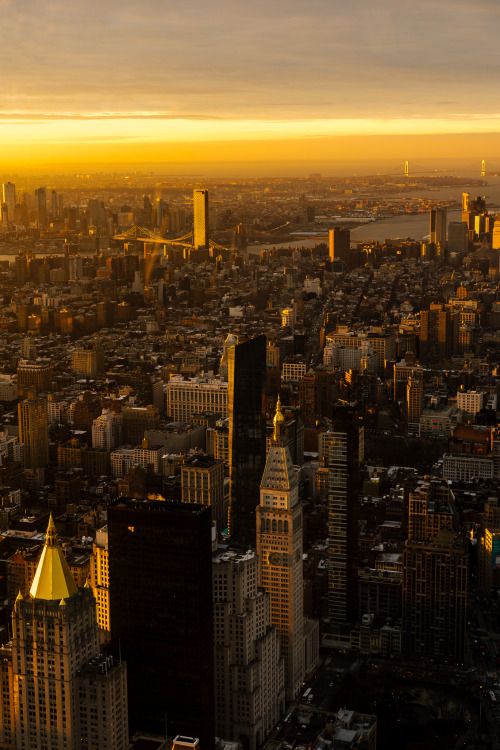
x: 264, y: 80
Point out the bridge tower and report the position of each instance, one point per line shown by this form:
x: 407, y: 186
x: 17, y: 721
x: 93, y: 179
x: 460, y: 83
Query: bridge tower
x: 407, y: 169
x: 483, y: 168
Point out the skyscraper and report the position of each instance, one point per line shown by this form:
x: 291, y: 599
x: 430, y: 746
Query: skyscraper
x: 249, y: 668
x: 279, y: 547
x: 345, y: 445
x: 161, y: 613
x: 200, y: 227
x: 414, y: 403
x: 34, y: 431
x: 435, y: 573
x: 41, y: 205
x: 247, y: 436
x: 64, y: 693
x: 437, y: 226
x: 9, y: 198
x: 438, y: 334
x: 339, y: 244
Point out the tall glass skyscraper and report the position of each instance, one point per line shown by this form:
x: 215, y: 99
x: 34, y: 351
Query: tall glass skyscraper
x: 200, y: 208
x: 247, y: 436
x: 161, y: 614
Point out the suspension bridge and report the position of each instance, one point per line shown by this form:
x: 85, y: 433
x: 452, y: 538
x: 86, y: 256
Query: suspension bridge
x: 149, y: 237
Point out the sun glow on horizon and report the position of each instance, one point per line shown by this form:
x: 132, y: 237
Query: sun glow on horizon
x: 108, y: 139
x: 157, y: 129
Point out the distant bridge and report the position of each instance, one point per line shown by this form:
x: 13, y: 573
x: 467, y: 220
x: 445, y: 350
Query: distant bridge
x: 147, y: 236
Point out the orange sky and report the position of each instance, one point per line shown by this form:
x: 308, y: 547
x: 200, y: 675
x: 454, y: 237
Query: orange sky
x: 306, y: 153
x: 232, y: 80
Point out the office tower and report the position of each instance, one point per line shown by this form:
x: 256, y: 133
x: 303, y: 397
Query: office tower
x: 161, y: 611
x: 434, y: 576
x: 138, y: 419
x: 195, y: 396
x: 438, y: 335
x: 457, y: 237
x: 41, y: 205
x: 231, y: 340
x: 437, y: 226
x: 106, y: 313
x: 345, y: 450
x: 247, y: 436
x: 414, y: 403
x: 54, y: 206
x: 63, y: 692
x: 99, y: 580
x: 249, y: 669
x: 279, y: 547
x: 200, y: 226
x: 177, y: 221
x: 202, y: 482
x: 496, y: 235
x: 107, y: 430
x: 9, y: 198
x: 339, y: 243
x: 28, y: 349
x: 34, y: 431
x: 88, y: 362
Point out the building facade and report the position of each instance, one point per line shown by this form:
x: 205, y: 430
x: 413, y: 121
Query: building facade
x: 34, y: 431
x: 161, y: 614
x: 279, y: 547
x: 345, y: 450
x: 195, y: 396
x: 249, y: 668
x: 55, y: 644
x: 247, y: 435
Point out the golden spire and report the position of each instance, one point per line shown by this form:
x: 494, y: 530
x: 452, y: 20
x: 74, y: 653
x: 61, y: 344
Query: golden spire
x: 53, y: 579
x: 278, y: 421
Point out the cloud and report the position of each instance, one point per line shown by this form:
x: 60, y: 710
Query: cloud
x: 248, y: 60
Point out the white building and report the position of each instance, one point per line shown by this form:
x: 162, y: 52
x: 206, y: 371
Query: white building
x: 293, y: 370
x: 470, y: 401
x: 10, y: 448
x: 463, y: 467
x: 8, y: 388
x: 188, y: 397
x: 142, y: 455
x: 249, y: 669
x: 107, y: 430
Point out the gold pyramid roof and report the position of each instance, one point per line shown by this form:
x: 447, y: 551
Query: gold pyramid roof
x: 53, y: 579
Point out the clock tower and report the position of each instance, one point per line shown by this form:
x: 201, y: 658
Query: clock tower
x: 279, y: 547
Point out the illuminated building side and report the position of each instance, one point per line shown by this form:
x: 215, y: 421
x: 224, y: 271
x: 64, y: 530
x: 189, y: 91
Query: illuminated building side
x: 200, y: 210
x: 63, y: 691
x: 279, y: 547
x: 34, y: 431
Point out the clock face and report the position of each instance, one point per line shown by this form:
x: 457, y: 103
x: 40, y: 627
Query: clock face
x: 274, y: 558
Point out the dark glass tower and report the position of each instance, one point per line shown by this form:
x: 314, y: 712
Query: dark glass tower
x: 247, y: 436
x: 160, y: 581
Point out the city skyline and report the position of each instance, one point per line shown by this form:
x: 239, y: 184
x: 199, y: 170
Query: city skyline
x: 250, y: 82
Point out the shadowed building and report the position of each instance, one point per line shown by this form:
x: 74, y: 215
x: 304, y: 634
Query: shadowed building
x: 345, y: 444
x: 161, y: 610
x: 247, y: 436
x: 435, y: 572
